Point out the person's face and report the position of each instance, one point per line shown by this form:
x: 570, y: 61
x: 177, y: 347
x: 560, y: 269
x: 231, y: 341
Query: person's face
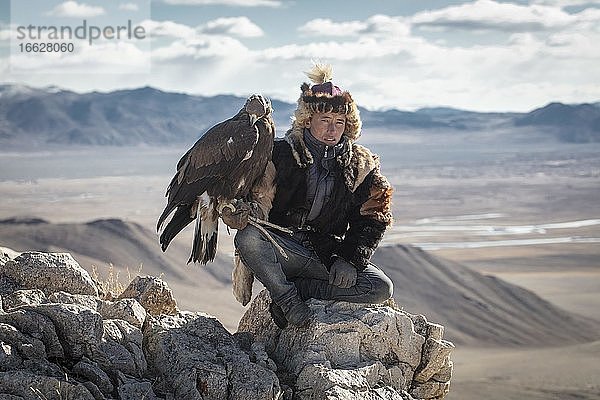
x: 327, y: 128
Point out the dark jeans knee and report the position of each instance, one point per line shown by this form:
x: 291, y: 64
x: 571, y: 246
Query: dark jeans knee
x: 246, y: 239
x: 383, y: 288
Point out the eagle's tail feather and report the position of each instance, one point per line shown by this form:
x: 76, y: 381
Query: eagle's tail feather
x: 204, y: 247
x: 168, y: 210
x: 180, y: 220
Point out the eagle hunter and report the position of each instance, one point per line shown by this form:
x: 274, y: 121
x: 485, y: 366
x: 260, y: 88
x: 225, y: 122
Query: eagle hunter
x: 222, y: 166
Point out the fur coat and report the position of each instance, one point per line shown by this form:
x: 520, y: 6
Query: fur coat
x: 351, y: 223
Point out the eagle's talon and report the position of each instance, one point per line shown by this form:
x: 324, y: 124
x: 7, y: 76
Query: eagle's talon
x: 223, y: 206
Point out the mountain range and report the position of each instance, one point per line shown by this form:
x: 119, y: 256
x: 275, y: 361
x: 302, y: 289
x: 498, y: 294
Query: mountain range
x: 474, y: 308
x: 33, y: 117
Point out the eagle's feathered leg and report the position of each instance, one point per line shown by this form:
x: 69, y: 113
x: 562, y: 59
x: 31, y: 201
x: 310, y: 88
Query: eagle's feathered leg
x: 206, y: 231
x: 242, y: 279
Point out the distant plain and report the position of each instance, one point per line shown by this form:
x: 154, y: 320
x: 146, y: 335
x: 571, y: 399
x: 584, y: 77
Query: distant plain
x: 449, y: 191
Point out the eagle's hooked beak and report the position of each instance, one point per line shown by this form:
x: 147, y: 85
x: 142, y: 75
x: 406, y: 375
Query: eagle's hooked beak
x: 253, y: 119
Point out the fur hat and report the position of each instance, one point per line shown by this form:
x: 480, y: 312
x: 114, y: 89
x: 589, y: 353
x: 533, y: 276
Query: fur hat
x: 323, y: 96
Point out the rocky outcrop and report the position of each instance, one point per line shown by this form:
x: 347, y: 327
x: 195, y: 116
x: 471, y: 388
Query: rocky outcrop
x: 152, y: 293
x: 353, y: 351
x: 195, y: 357
x: 61, y: 339
x: 49, y: 272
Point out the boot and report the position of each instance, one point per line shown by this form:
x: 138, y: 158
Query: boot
x: 278, y: 315
x: 295, y: 311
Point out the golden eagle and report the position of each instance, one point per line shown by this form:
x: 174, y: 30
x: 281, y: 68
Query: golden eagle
x: 223, y: 165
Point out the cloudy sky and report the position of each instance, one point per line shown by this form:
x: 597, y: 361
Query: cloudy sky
x: 483, y: 55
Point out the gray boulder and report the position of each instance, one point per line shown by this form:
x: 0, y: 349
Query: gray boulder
x: 26, y: 297
x: 83, y: 300
x: 193, y: 356
x: 35, y: 326
x: 55, y: 344
x: 29, y: 386
x: 134, y: 389
x: 121, y: 349
x: 153, y: 294
x: 129, y: 310
x: 93, y: 373
x: 49, y: 272
x: 79, y: 329
x: 357, y: 351
x: 7, y: 254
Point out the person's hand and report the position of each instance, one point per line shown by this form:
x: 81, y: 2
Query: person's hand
x: 342, y: 274
x: 237, y: 219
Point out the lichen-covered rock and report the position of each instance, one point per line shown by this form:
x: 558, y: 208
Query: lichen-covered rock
x: 59, y: 340
x: 20, y: 345
x: 194, y: 357
x: 91, y: 371
x: 153, y: 294
x: 7, y: 254
x: 30, y: 386
x: 49, y: 272
x: 436, y: 355
x: 121, y: 348
x: 356, y: 351
x: 84, y: 300
x: 129, y: 310
x: 36, y: 326
x: 134, y: 389
x: 79, y: 329
x: 26, y: 297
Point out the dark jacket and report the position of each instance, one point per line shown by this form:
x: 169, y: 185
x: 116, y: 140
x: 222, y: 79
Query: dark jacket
x: 357, y: 213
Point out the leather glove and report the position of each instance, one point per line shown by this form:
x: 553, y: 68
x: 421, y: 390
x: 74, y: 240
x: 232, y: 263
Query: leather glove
x: 342, y: 274
x: 237, y: 219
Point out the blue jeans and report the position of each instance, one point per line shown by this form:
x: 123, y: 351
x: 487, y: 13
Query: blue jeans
x: 303, y: 273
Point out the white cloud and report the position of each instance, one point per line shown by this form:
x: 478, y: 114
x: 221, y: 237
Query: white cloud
x: 128, y: 7
x: 326, y: 27
x: 377, y: 24
x: 168, y: 29
x: 106, y: 57
x: 360, y: 49
x: 588, y: 19
x: 566, y: 3
x: 383, y: 64
x: 386, y: 24
x: 492, y: 15
x: 237, y: 26
x: 201, y: 46
x: 76, y: 10
x: 236, y: 3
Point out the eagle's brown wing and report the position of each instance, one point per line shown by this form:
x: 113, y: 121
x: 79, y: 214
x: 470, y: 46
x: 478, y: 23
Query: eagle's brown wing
x: 214, y: 156
x: 220, y: 150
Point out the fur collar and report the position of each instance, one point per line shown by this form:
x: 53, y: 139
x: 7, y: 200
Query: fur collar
x: 356, y: 161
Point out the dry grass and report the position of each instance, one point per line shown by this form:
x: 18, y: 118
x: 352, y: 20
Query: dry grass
x: 111, y: 284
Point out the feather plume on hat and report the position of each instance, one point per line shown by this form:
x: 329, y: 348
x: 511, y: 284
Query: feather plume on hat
x: 320, y: 73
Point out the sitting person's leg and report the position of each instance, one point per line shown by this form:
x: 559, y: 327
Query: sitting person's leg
x: 372, y: 285
x: 275, y: 271
x: 309, y: 276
